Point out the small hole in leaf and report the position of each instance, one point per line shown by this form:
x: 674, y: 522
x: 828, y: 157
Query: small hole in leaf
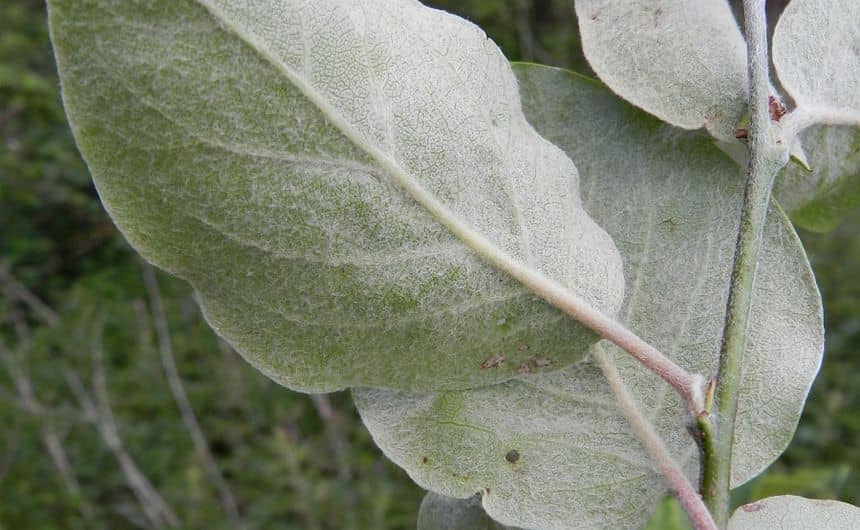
x: 512, y: 456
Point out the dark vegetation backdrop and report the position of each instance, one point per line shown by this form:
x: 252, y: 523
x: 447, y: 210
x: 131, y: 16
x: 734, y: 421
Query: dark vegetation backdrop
x: 94, y: 432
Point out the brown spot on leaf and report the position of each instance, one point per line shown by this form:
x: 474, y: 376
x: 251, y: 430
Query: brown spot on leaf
x: 513, y: 456
x: 424, y: 459
x: 493, y: 361
x: 534, y: 362
x: 540, y: 361
x: 742, y: 133
x: 753, y: 507
x: 522, y: 348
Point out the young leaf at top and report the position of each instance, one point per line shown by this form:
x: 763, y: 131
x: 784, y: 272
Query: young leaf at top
x: 787, y: 512
x: 682, y: 60
x: 816, y: 52
x: 685, y: 62
x: 444, y: 513
x: 553, y: 450
x: 343, y: 183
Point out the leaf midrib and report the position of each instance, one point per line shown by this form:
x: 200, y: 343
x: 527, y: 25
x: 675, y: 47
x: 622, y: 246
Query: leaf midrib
x: 545, y: 287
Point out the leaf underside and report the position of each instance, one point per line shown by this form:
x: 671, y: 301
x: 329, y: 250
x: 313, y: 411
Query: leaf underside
x: 671, y: 202
x: 788, y: 512
x: 816, y: 53
x: 306, y: 165
x: 683, y: 61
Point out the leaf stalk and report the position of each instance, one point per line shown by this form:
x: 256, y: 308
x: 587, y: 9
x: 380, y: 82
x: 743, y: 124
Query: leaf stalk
x: 657, y: 450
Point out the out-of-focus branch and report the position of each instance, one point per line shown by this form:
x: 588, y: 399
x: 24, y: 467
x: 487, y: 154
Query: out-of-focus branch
x: 286, y: 442
x: 16, y: 290
x: 339, y: 446
x: 8, y: 456
x: 530, y: 47
x: 50, y: 438
x: 189, y: 418
x: 97, y: 408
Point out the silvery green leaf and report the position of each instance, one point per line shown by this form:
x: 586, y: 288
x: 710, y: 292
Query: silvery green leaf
x: 816, y: 53
x: 787, y: 512
x: 554, y: 448
x: 819, y: 198
x: 683, y: 61
x: 444, y: 513
x: 341, y: 182
x: 786, y: 336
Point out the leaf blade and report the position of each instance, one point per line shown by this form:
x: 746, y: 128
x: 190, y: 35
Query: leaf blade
x: 676, y: 233
x: 816, y: 53
x: 681, y: 60
x: 788, y: 512
x: 304, y: 243
x: 784, y: 260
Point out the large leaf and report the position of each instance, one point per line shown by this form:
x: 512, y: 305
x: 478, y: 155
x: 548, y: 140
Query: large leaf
x: 820, y: 198
x: 335, y: 179
x: 682, y: 60
x: 788, y: 512
x: 671, y: 200
x: 444, y: 513
x: 816, y: 51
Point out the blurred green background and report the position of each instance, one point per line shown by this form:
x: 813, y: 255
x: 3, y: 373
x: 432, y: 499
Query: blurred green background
x: 91, y: 433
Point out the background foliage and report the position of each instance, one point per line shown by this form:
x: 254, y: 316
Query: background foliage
x: 291, y: 461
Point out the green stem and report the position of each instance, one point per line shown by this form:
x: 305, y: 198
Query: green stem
x: 766, y: 158
x: 707, y: 443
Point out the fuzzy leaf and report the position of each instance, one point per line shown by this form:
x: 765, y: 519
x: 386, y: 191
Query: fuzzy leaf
x: 788, y: 512
x: 816, y: 53
x: 671, y: 200
x: 326, y: 174
x: 444, y: 513
x: 682, y: 60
